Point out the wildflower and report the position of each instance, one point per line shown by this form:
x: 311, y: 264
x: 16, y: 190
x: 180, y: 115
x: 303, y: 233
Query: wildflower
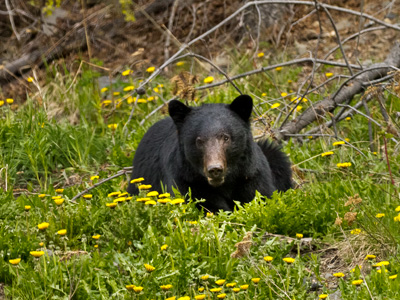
x: 126, y: 72
x: 261, y: 54
x: 357, y: 282
x: 94, y: 177
x: 130, y: 286
x: 380, y: 271
x: 156, y: 90
x: 200, y: 297
x: 164, y: 200
x: 382, y: 263
x: 111, y: 205
x: 37, y: 254
x: 380, y: 215
x: 60, y: 191
x: 397, y: 209
x: 289, y: 81
x: 299, y: 235
x: 152, y: 194
x: 113, y: 194
x: 208, y: 79
x: 10, y: 101
x: 160, y: 85
x: 27, y: 207
x: 201, y: 289
x: 275, y: 105
x: 221, y: 296
x: 393, y: 276
x: 220, y: 281
x: 209, y: 215
x: 180, y: 63
x: 149, y: 268
x: 236, y: 290
x: 150, y: 202
x: 289, y: 260
x: 256, y: 280
x: 215, y: 290
x: 327, y: 154
x: 96, y: 237
x: 59, y: 201
x: 299, y: 108
x: 144, y: 187
x: 263, y: 94
x: 283, y: 94
x: 231, y: 284
x: 323, y: 296
x: 338, y: 143
x: 129, y: 88
x: 137, y: 180
x: 112, y: 126
x: 310, y: 137
x: 205, y: 277
x: 397, y: 218
x: 166, y: 287
x: 353, y: 270
x: 184, y: 298
x: 177, y: 201
x: 244, y: 287
x: 138, y: 289
x: 370, y: 256
x: 141, y: 101
x: 150, y: 98
x: 355, y: 231
x: 348, y: 118
x: 338, y: 275
x: 41, y: 244
x: 142, y: 199
x: 62, y: 232
x: 268, y: 258
x: 164, y: 247
x: 56, y: 197
x: 328, y: 74
x: 106, y: 102
x: 43, y: 226
x: 42, y: 195
x: 150, y: 69
x: 165, y: 195
x: 15, y: 261
x: 171, y: 298
x: 278, y: 68
x: 1, y: 103
x: 104, y: 89
x: 88, y: 196
x: 344, y: 165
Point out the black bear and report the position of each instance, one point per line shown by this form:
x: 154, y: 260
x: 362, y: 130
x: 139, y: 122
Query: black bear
x: 210, y: 149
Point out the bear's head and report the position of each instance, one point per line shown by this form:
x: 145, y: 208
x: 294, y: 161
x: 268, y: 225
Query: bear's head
x: 214, y: 137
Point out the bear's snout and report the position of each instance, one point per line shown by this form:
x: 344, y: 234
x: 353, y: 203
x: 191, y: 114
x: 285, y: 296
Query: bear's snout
x: 215, y: 162
x: 215, y: 175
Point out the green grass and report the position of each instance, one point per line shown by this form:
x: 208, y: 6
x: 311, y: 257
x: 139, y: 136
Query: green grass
x: 64, y: 139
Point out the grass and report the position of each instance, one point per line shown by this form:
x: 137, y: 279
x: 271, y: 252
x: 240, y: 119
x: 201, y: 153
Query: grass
x: 66, y: 136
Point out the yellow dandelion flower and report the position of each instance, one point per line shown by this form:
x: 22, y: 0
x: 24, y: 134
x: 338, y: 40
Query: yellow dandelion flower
x: 171, y: 298
x: 221, y: 296
x: 380, y: 271
x: 328, y: 74
x: 220, y: 281
x: 299, y: 108
x: 88, y: 196
x: 62, y: 232
x: 284, y: 94
x: 382, y: 263
x: 278, y: 68
x: 113, y: 194
x: 59, y: 201
x: 1, y: 103
x: 397, y: 218
x: 357, y: 282
x: 149, y: 268
x: 355, y: 231
x: 263, y: 94
x: 348, y: 118
x: 142, y: 199
x: 119, y: 199
x: 344, y: 165
x: 151, y: 98
x: 205, y: 277
x: 370, y: 256
x: 150, y: 69
x: 112, y: 126
x: 111, y: 205
x: 129, y: 88
x: 152, y: 194
x: 15, y: 261
x: 138, y: 289
x: 10, y: 101
x: 299, y: 235
x: 244, y: 286
x: 201, y: 289
x: 327, y: 154
x: 30, y: 79
x: 156, y: 90
x: 117, y: 93
x: 261, y: 54
x: 165, y: 195
x: 96, y: 237
x: 60, y: 191
x: 164, y: 247
x: 144, y: 187
x: 166, y: 287
x: 209, y: 215
x: 43, y: 226
x: 37, y: 254
x: 289, y: 81
x: 106, y: 102
x: 275, y: 105
x: 268, y: 258
x: 177, y: 201
x: 380, y: 215
x: 94, y: 177
x: 215, y: 290
x: 130, y: 286
x: 192, y: 222
x: 256, y: 280
x: 184, y: 298
x: 393, y: 276
x: 289, y: 260
x: 208, y: 79
x: 200, y: 297
x: 56, y: 197
x: 27, y: 207
x: 164, y: 200
x: 141, y: 101
x: 126, y: 72
x: 137, y: 180
x: 236, y: 290
x: 323, y: 296
x: 42, y: 195
x: 104, y: 89
x: 338, y: 275
x: 231, y: 284
x: 41, y: 244
x: 151, y: 202
x: 338, y: 143
x: 180, y: 63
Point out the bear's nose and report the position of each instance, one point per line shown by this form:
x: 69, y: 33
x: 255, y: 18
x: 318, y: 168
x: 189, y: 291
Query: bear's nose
x: 215, y: 171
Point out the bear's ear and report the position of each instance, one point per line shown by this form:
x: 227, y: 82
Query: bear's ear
x: 178, y: 111
x: 242, y: 105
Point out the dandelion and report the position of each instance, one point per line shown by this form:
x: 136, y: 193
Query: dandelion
x: 149, y: 268
x: 129, y: 88
x: 209, y: 215
x: 201, y: 289
x: 278, y: 68
x: 236, y: 290
x: 88, y: 196
x: 338, y: 143
x: 165, y: 195
x: 328, y: 74
x: 150, y: 202
x: 142, y: 199
x: 256, y: 280
x: 111, y: 205
x: 37, y: 254
x: 205, y: 277
x: 152, y: 194
x: 1, y: 103
x: 55, y: 197
x: 244, y: 287
x: 355, y: 231
x: 263, y: 94
x: 59, y: 191
x: 164, y: 247
x: 43, y: 226
x: 144, y: 187
x: 126, y: 72
x: 323, y: 296
x: 284, y: 94
x: 104, y: 89
x: 184, y: 298
x: 113, y: 194
x: 156, y: 90
x: 208, y: 79
x: 106, y: 102
x: 138, y: 289
x: 397, y: 218
x: 220, y: 281
x: 393, y: 277
x: 231, y: 284
x: 62, y: 232
x: 150, y: 98
x: 380, y: 271
x: 171, y: 298
x: 221, y: 296
x: 30, y: 79
x: 96, y: 237
x: 289, y: 81
x: 299, y: 235
x: 177, y: 201
x: 27, y: 207
x: 275, y: 105
x: 112, y: 126
x: 42, y: 195
x: 397, y: 209
x: 200, y: 297
x: 10, y: 101
x: 289, y: 260
x: 357, y: 282
x: 192, y: 222
x: 268, y: 258
x: 215, y: 290
x: 348, y: 118
x: 15, y: 261
x: 164, y: 200
x: 344, y: 165
x: 327, y: 154
x: 137, y: 180
x: 59, y: 201
x: 380, y: 215
x: 130, y: 286
x: 261, y: 54
x: 338, y: 275
x: 94, y: 177
x: 299, y: 108
x: 141, y: 101
x: 41, y: 244
x: 370, y: 256
x: 382, y: 263
x: 166, y: 287
x: 150, y: 70
x: 180, y: 63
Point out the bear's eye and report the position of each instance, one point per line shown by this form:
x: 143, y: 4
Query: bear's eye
x: 226, y: 137
x: 199, y: 142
